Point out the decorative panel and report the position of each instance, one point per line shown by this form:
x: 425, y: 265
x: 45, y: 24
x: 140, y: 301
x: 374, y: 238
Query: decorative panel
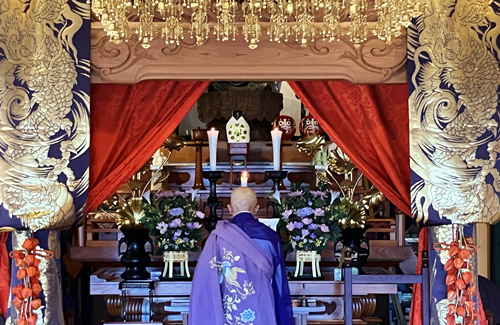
x: 128, y: 62
x: 454, y: 79
x: 44, y: 105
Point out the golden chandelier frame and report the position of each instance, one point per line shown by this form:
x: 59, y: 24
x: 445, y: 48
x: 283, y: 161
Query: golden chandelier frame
x: 303, y: 20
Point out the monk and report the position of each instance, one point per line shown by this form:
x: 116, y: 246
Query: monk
x: 240, y: 277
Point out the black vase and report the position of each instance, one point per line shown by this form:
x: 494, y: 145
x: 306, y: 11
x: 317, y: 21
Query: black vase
x: 135, y: 258
x: 353, y: 238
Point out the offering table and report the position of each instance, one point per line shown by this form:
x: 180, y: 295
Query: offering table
x: 173, y: 296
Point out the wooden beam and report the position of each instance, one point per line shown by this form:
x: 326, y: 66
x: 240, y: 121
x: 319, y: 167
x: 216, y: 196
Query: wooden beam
x: 373, y: 62
x: 483, y: 249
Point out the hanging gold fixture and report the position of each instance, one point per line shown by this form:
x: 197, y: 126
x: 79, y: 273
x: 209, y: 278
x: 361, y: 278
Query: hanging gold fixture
x: 301, y: 20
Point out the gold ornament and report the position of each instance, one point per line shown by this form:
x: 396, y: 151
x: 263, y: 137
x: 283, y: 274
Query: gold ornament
x: 305, y: 20
x: 454, y: 143
x: 130, y: 214
x: 311, y: 143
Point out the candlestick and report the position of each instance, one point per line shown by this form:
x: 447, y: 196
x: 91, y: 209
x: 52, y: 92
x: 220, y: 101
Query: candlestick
x: 244, y: 179
x: 277, y: 176
x: 276, y: 136
x: 212, y: 202
x: 212, y: 144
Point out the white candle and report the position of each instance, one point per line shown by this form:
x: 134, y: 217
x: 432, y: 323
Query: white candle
x: 276, y: 136
x: 244, y: 179
x: 213, y: 134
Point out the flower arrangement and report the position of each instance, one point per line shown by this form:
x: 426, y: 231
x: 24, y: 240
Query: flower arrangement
x: 173, y: 218
x: 308, y: 219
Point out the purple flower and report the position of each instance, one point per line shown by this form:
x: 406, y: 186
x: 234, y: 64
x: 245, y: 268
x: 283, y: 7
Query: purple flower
x: 324, y: 228
x: 313, y: 226
x: 200, y: 214
x: 196, y: 225
x: 189, y: 225
x: 185, y: 239
x: 287, y: 213
x: 297, y: 238
x: 318, y: 193
x: 319, y: 212
x: 175, y: 223
x: 305, y: 232
x: 290, y: 226
x: 177, y: 234
x: 313, y: 236
x: 175, y: 212
x: 162, y: 227
x: 295, y: 193
x: 182, y: 194
x: 307, y: 221
x: 304, y: 212
x: 298, y: 225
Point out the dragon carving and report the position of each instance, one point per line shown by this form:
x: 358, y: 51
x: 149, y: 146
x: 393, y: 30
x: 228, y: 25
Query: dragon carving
x: 454, y: 131
x: 44, y: 120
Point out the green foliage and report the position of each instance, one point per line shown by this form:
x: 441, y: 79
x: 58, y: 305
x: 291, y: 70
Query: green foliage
x: 308, y: 218
x: 174, y: 221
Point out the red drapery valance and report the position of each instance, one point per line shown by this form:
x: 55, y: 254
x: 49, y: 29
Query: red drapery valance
x: 370, y: 124
x: 128, y: 124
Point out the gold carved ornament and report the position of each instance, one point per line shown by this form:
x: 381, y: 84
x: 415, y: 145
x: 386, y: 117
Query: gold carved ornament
x: 301, y: 21
x: 352, y: 213
x: 454, y: 132
x: 45, y: 128
x: 311, y: 143
x: 45, y: 121
x: 131, y: 212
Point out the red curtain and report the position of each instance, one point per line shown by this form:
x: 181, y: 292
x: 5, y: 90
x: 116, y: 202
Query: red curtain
x: 416, y: 301
x: 370, y: 124
x: 5, y: 275
x: 128, y: 124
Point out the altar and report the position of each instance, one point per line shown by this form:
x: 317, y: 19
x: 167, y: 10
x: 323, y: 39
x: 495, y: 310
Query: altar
x: 421, y: 128
x: 172, y: 297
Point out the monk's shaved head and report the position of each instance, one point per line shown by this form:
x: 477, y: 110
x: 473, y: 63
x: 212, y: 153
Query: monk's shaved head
x: 243, y: 199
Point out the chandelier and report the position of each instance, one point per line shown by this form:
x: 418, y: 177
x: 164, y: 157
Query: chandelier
x: 302, y: 21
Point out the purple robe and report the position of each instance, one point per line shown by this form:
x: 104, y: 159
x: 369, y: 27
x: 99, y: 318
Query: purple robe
x: 232, y: 281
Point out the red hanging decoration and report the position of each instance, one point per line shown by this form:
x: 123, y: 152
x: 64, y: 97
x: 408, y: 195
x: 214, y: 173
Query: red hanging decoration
x: 26, y: 294
x: 460, y: 279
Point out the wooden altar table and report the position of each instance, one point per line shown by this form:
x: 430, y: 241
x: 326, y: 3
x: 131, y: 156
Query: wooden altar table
x: 107, y: 283
x: 299, y: 313
x: 297, y: 288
